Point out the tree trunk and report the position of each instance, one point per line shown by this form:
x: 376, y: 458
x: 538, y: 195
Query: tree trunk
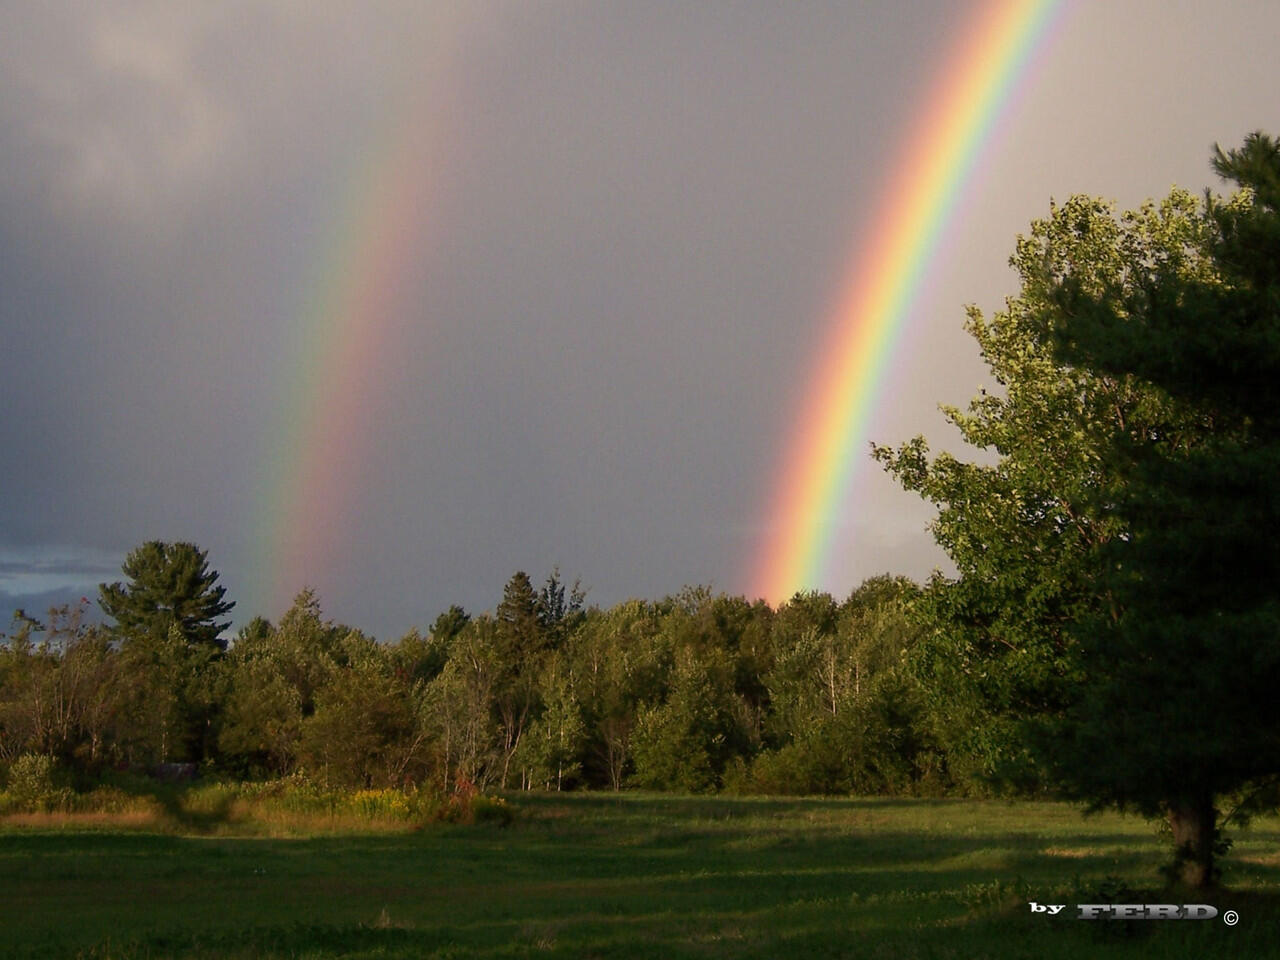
x: 1193, y: 821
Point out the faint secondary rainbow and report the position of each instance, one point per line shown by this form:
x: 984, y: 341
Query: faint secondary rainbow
x: 899, y: 243
x: 355, y: 305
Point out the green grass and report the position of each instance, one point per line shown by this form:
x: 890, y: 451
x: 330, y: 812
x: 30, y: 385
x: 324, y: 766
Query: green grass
x: 604, y: 876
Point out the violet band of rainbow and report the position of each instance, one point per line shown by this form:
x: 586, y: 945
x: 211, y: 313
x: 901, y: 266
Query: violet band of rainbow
x: 828, y: 441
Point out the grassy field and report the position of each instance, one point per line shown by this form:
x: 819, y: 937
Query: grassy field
x: 605, y: 876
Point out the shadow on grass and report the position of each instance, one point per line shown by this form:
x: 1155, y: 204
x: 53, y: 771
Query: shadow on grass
x: 628, y: 876
x: 311, y: 940
x: 868, y: 930
x: 206, y: 820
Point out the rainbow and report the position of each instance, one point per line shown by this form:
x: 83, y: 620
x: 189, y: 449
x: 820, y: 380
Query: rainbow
x: 935, y: 163
x: 353, y: 306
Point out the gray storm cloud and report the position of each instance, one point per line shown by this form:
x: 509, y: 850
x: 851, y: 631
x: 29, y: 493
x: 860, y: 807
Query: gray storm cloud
x: 641, y: 212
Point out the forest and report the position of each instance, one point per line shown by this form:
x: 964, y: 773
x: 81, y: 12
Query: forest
x: 695, y: 692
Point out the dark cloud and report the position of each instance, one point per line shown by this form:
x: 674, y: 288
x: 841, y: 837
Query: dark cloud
x: 639, y: 213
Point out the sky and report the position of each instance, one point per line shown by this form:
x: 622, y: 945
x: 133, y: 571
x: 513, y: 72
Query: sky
x: 393, y: 299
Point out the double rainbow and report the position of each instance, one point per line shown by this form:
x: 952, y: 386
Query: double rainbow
x: 936, y: 162
x: 359, y: 296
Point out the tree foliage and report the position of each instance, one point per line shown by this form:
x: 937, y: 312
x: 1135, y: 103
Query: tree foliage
x: 1111, y: 631
x: 696, y: 691
x: 1185, y: 657
x: 1023, y: 524
x: 169, y: 584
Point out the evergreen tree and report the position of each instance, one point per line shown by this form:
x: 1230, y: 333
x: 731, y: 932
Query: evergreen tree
x: 519, y: 624
x: 169, y: 584
x: 559, y: 615
x: 168, y: 619
x: 1184, y: 657
x: 449, y: 624
x: 522, y: 646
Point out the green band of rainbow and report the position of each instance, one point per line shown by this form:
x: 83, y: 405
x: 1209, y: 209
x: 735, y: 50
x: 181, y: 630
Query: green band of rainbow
x: 830, y: 434
x: 357, y: 303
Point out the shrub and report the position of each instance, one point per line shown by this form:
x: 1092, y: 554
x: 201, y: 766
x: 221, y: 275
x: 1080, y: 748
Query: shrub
x: 491, y: 810
x: 112, y: 800
x: 32, y: 788
x: 381, y: 803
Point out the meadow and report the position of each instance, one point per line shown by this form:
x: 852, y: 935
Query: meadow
x: 613, y: 876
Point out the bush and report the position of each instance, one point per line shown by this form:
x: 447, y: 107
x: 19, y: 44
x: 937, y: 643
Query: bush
x: 471, y: 806
x: 32, y: 787
x: 491, y: 810
x: 376, y: 804
x: 112, y: 800
x: 297, y: 800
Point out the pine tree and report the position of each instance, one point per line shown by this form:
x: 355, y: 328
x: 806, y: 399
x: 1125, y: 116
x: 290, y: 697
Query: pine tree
x: 167, y: 616
x: 1181, y: 711
x: 169, y: 584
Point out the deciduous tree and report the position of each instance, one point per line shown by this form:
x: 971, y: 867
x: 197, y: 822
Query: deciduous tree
x: 1112, y: 631
x: 1022, y: 525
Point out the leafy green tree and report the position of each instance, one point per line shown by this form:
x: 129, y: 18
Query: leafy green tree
x: 366, y: 730
x: 466, y: 747
x: 700, y: 722
x: 845, y: 717
x: 261, y: 717
x: 876, y: 630
x: 59, y: 696
x: 15, y: 671
x: 1024, y: 526
x: 808, y: 674
x: 680, y: 744
x: 169, y: 583
x: 157, y: 724
x: 419, y: 658
x: 742, y: 630
x: 306, y: 648
x: 256, y: 631
x: 618, y: 663
x: 91, y: 685
x: 1112, y: 630
x: 828, y: 655
x: 550, y: 752
x: 261, y: 724
x: 1183, y: 659
x: 274, y: 676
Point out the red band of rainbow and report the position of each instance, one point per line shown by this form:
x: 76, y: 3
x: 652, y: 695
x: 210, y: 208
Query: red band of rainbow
x: 936, y: 161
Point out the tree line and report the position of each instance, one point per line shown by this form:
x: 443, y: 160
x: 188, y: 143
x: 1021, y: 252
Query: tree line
x: 695, y: 692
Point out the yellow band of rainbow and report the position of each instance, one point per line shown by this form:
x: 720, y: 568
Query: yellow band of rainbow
x: 829, y: 439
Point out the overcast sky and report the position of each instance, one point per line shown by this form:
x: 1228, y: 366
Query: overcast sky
x: 624, y: 222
